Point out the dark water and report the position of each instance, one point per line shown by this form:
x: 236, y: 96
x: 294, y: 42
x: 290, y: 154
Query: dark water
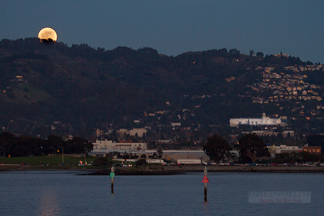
x: 65, y: 193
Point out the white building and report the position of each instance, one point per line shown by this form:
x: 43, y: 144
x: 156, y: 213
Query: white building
x: 139, y: 131
x: 234, y: 122
x: 121, y: 133
x: 109, y: 145
x: 283, y: 149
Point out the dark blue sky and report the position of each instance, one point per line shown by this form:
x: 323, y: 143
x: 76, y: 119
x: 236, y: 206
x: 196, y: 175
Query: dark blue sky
x: 295, y: 27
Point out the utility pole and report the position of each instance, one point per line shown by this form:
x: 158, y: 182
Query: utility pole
x: 62, y: 154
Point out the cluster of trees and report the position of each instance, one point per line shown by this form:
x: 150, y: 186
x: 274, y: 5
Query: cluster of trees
x: 251, y: 148
x: 26, y: 146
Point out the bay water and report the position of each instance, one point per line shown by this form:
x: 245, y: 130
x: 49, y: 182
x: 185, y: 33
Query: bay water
x: 66, y: 193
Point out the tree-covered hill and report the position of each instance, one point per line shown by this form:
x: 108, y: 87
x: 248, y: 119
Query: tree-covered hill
x: 86, y: 88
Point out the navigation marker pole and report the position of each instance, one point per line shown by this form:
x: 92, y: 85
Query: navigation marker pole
x: 112, y: 175
x: 205, y: 181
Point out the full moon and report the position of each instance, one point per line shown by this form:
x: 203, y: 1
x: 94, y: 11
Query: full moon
x: 47, y: 35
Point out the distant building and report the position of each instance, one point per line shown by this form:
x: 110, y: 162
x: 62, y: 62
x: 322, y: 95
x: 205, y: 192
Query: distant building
x: 283, y: 149
x: 109, y: 145
x: 139, y: 131
x: 121, y: 133
x: 316, y: 140
x: 264, y: 120
x: 269, y: 133
x: 312, y: 149
x: 176, y: 124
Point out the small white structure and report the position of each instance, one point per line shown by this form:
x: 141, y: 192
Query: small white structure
x: 234, y: 122
x: 176, y: 124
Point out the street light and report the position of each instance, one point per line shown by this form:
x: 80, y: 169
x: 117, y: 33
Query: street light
x: 62, y: 153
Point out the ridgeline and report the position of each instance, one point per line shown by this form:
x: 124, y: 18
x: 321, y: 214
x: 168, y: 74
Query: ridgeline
x: 80, y: 88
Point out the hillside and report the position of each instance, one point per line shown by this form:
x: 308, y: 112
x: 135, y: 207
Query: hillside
x: 47, y: 88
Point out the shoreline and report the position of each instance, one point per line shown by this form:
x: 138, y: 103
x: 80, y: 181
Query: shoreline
x: 173, y: 170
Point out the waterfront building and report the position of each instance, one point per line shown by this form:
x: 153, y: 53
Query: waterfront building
x: 312, y: 149
x: 283, y: 149
x: 109, y: 146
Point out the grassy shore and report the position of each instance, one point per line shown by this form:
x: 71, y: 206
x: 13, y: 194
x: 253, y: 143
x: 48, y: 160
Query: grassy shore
x: 44, y: 162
